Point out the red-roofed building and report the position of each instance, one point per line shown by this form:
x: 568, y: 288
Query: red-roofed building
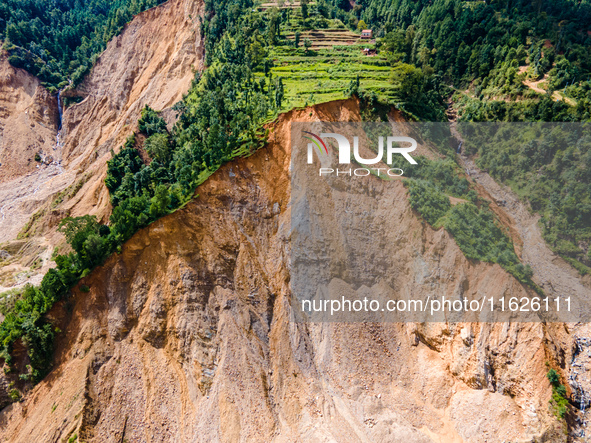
x: 366, y: 33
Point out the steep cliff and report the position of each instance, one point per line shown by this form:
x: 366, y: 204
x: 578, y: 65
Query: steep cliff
x: 28, y: 119
x: 152, y: 61
x: 186, y: 336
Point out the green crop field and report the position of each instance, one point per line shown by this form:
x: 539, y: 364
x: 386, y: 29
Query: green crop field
x: 334, y: 59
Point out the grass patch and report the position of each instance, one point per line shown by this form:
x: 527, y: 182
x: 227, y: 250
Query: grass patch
x: 69, y: 192
x: 30, y: 227
x: 8, y: 299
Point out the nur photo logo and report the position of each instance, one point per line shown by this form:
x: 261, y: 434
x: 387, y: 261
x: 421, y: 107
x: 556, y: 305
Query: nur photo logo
x: 401, y: 145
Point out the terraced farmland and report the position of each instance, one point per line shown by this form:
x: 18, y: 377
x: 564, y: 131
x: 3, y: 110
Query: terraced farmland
x: 334, y: 60
x: 327, y: 38
x: 266, y: 5
x: 313, y: 81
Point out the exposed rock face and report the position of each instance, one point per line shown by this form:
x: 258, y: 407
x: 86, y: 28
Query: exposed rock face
x: 28, y: 118
x: 151, y: 62
x: 186, y: 336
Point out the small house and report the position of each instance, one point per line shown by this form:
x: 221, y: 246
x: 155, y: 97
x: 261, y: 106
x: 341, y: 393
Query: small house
x: 366, y: 33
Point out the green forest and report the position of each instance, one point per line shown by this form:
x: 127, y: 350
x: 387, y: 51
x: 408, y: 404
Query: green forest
x: 59, y: 40
x: 433, y: 59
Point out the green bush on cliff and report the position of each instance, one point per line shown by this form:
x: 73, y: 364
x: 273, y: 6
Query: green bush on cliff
x: 558, y: 401
x: 428, y: 200
x: 151, y: 123
x: 475, y: 230
x: 481, y: 237
x: 91, y: 245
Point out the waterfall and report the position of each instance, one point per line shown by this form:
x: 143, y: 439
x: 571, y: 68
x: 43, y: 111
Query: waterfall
x: 579, y: 360
x: 582, y: 409
x: 59, y: 109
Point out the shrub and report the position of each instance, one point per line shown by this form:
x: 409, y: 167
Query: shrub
x: 553, y: 377
x: 428, y: 200
x: 14, y: 395
x: 558, y: 401
x: 158, y: 147
x: 159, y: 204
x: 151, y: 123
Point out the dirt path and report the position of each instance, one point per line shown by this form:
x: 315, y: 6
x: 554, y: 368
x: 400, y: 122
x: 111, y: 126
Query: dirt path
x: 535, y: 85
x: 557, y: 96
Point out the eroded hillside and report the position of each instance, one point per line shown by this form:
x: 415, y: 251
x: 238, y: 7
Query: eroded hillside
x: 186, y: 336
x: 152, y: 62
x: 28, y: 119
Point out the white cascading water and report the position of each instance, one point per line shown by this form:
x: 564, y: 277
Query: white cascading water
x: 58, y: 141
x: 578, y: 364
x: 59, y: 108
x: 61, y: 113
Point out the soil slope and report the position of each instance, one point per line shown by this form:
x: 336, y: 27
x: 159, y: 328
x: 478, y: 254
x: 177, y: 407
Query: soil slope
x: 186, y: 336
x: 28, y: 121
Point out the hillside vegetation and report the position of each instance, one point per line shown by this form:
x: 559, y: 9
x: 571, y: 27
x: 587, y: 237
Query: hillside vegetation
x: 59, y: 40
x: 496, y: 57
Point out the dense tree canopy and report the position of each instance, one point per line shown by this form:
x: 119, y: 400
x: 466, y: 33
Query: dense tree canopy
x: 59, y: 40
